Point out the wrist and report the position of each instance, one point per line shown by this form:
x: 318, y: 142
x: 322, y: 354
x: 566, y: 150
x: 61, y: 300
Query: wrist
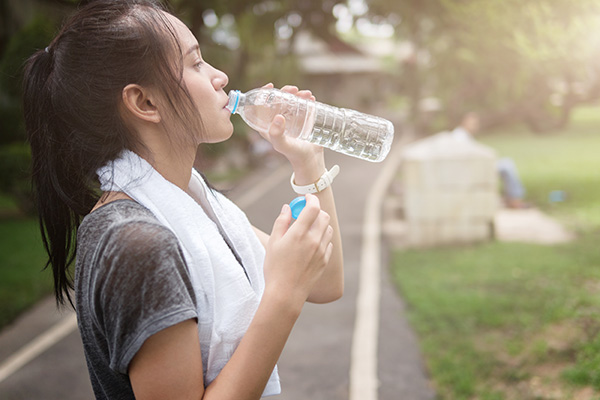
x: 286, y: 303
x: 322, y: 183
x: 308, y: 171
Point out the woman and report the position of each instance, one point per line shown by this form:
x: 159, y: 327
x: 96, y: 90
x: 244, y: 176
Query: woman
x: 177, y: 295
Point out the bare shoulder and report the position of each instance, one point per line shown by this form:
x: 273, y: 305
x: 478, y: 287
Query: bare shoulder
x: 109, y: 197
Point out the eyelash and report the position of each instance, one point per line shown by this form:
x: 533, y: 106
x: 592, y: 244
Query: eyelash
x: 198, y: 64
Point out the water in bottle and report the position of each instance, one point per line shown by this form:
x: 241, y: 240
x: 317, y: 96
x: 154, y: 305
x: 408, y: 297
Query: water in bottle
x: 347, y: 131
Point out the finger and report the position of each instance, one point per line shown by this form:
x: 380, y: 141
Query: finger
x: 268, y: 86
x: 277, y: 127
x: 326, y: 239
x: 328, y: 234
x: 328, y: 253
x: 305, y: 94
x: 320, y: 224
x: 309, y: 214
x: 282, y: 222
x: 290, y: 89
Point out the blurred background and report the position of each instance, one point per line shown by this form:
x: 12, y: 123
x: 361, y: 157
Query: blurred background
x: 425, y: 61
x: 530, y: 69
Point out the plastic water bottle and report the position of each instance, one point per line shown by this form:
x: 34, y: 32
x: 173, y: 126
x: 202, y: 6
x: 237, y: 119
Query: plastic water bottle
x: 346, y: 131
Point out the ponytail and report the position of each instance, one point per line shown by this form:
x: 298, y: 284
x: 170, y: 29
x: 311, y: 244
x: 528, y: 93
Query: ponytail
x: 72, y: 98
x: 61, y: 193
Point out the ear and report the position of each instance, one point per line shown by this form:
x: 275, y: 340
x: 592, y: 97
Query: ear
x: 141, y: 103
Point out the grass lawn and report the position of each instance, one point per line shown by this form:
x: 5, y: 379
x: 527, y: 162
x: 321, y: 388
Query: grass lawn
x: 22, y: 257
x: 518, y: 321
x: 567, y: 161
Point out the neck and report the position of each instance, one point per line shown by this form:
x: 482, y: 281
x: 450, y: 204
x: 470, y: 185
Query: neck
x: 174, y: 162
x: 174, y: 167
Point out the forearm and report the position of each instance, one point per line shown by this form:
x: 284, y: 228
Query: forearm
x: 247, y: 372
x: 330, y: 286
x: 308, y: 163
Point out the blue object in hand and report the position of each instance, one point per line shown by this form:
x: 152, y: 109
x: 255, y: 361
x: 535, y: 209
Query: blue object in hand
x: 297, y: 205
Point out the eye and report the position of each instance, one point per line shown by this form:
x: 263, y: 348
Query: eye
x: 198, y: 63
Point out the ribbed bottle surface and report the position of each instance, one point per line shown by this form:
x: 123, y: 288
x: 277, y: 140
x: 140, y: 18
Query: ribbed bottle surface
x: 346, y: 131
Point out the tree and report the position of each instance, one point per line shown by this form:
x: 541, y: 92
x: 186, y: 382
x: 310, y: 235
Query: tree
x: 14, y: 153
x: 257, y: 34
x: 416, y: 21
x: 249, y: 39
x: 520, y: 62
x: 512, y: 61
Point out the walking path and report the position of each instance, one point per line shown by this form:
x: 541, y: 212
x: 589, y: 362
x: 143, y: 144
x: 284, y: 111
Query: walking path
x: 41, y: 354
x: 359, y: 348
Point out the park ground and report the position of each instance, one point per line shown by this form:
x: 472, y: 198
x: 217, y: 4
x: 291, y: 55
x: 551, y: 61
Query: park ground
x: 501, y: 321
x: 495, y: 321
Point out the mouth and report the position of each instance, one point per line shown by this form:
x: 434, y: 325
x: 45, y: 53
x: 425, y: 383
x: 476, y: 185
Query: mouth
x: 226, y: 103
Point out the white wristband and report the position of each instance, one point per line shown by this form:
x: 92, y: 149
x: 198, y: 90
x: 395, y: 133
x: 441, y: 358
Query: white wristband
x: 321, y: 184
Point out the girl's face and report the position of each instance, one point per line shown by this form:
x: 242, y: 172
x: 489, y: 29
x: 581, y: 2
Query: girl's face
x: 205, y: 85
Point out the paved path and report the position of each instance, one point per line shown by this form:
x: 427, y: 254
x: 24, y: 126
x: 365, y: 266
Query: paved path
x: 316, y: 361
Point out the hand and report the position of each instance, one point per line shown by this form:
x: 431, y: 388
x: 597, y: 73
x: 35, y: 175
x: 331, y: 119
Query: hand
x: 296, y: 255
x: 299, y: 152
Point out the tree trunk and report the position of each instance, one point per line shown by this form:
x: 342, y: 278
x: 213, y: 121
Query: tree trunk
x: 413, y: 78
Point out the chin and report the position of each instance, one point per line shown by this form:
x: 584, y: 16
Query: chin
x: 227, y: 137
x: 228, y: 131
x: 221, y: 137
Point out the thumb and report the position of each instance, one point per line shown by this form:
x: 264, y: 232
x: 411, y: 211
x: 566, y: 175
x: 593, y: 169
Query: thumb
x: 277, y: 128
x: 282, y: 223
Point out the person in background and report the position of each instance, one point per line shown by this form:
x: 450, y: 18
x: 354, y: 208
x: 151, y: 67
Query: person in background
x: 513, y: 191
x: 177, y: 295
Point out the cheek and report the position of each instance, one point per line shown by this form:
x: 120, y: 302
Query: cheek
x: 202, y: 97
x: 193, y: 84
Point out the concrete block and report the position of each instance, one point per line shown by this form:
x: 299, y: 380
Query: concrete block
x: 450, y: 191
x: 434, y: 206
x: 428, y: 234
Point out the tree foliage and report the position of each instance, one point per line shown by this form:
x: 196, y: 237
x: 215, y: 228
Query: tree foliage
x: 512, y: 61
x: 14, y: 153
x: 250, y: 40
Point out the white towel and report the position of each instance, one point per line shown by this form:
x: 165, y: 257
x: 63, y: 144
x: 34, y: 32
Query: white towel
x: 227, y: 293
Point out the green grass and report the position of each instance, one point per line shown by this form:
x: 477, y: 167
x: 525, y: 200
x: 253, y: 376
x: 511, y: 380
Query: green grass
x: 485, y: 313
x: 8, y: 206
x: 518, y: 321
x: 22, y: 257
x: 568, y: 161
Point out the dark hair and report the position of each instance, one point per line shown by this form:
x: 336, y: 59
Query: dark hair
x: 72, y: 98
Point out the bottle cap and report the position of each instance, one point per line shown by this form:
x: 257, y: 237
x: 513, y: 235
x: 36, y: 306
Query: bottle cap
x: 297, y: 205
x: 234, y: 100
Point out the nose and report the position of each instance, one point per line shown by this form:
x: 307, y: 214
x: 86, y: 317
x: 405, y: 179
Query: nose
x: 220, y: 80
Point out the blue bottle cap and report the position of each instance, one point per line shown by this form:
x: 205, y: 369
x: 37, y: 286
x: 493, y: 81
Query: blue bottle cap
x: 234, y: 99
x: 297, y: 205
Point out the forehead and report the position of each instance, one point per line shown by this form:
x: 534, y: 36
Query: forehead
x: 184, y: 35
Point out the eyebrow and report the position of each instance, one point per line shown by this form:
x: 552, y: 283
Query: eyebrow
x: 195, y: 47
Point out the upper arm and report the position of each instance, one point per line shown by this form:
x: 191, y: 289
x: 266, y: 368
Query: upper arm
x: 169, y: 364
x: 142, y: 287
x: 262, y: 236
